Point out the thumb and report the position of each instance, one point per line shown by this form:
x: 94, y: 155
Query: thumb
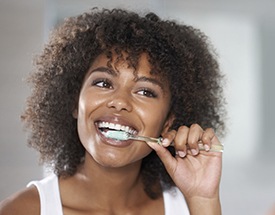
x: 165, y: 156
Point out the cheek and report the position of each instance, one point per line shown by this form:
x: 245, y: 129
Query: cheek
x: 84, y: 124
x: 154, y: 118
x: 82, y: 109
x: 89, y: 100
x: 88, y: 103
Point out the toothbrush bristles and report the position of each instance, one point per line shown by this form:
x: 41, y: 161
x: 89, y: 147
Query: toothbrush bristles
x: 123, y: 135
x: 118, y: 135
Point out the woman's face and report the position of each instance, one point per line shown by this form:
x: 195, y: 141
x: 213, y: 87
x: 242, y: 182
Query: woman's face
x: 118, y: 98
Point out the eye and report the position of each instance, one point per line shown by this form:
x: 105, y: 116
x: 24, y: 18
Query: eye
x: 102, y: 83
x: 147, y: 92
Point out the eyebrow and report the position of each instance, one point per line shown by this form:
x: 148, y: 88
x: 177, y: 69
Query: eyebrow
x: 141, y: 78
x: 104, y: 69
x: 151, y: 80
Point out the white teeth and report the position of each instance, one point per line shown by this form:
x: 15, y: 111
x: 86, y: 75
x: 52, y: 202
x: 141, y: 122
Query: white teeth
x: 116, y: 127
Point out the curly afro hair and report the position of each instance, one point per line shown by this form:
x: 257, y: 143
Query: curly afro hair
x: 179, y: 53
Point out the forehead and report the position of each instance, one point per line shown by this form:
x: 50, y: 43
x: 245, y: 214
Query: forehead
x: 141, y: 66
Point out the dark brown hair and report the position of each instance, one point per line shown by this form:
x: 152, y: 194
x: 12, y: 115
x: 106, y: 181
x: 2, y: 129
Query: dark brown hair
x: 179, y: 53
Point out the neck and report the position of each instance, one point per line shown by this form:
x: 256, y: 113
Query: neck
x: 109, y: 187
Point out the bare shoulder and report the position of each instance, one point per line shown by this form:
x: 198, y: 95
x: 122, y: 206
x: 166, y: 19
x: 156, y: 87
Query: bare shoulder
x: 24, y: 202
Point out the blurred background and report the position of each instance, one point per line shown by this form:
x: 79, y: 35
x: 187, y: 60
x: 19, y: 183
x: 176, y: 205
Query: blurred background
x: 243, y: 33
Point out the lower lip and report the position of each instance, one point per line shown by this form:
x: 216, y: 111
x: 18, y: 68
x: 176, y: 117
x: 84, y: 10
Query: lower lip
x: 113, y: 142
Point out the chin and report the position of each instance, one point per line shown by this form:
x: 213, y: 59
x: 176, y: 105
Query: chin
x: 110, y: 160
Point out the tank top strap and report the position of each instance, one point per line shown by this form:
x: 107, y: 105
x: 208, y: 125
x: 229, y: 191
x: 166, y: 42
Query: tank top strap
x: 48, y: 189
x: 174, y: 202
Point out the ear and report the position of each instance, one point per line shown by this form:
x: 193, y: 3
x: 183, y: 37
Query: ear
x: 168, y: 123
x: 75, y: 113
x: 75, y: 109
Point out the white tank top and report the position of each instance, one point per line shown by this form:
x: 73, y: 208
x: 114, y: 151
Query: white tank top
x: 50, y: 202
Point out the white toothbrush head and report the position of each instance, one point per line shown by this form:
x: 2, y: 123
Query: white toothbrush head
x: 122, y: 135
x: 117, y: 135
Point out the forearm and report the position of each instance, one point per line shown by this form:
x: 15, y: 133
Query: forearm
x: 204, y: 206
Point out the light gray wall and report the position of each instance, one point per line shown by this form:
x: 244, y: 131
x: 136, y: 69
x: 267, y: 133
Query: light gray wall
x: 248, y: 186
x: 21, y: 35
x: 268, y: 83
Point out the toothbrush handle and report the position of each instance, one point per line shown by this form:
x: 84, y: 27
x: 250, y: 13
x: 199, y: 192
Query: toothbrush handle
x: 146, y: 139
x: 214, y: 148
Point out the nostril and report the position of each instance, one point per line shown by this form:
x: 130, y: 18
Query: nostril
x: 120, y: 103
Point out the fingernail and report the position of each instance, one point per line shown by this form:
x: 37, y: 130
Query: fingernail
x: 206, y: 147
x: 181, y: 154
x: 194, y: 151
x: 165, y: 142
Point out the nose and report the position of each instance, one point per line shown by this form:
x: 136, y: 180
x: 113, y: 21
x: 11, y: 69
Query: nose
x: 120, y: 101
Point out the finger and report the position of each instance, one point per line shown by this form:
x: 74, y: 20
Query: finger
x: 168, y: 138
x: 180, y: 141
x: 207, y: 137
x: 195, y: 134
x: 165, y: 156
x: 218, y: 146
x: 211, y: 142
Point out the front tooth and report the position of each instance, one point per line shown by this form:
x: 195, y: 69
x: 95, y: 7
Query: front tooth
x: 117, y: 127
x: 111, y: 125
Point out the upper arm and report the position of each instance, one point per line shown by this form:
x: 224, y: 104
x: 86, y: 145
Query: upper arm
x: 25, y: 202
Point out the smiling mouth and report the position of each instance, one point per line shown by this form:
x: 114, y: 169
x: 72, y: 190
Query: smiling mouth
x: 103, y: 127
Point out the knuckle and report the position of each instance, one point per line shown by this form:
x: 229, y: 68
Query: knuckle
x: 170, y: 135
x: 205, y: 139
x: 210, y: 130
x: 195, y: 126
x: 182, y: 128
x: 192, y: 142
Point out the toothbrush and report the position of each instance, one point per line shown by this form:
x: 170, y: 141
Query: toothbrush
x: 122, y: 135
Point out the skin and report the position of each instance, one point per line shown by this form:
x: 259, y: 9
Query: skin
x: 119, y: 96
x: 202, y: 170
x: 271, y: 211
x: 113, y: 95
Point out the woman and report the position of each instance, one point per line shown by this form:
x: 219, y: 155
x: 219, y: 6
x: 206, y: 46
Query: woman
x: 116, y: 70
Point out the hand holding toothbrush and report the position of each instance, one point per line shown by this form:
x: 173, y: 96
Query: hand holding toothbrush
x: 196, y: 173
